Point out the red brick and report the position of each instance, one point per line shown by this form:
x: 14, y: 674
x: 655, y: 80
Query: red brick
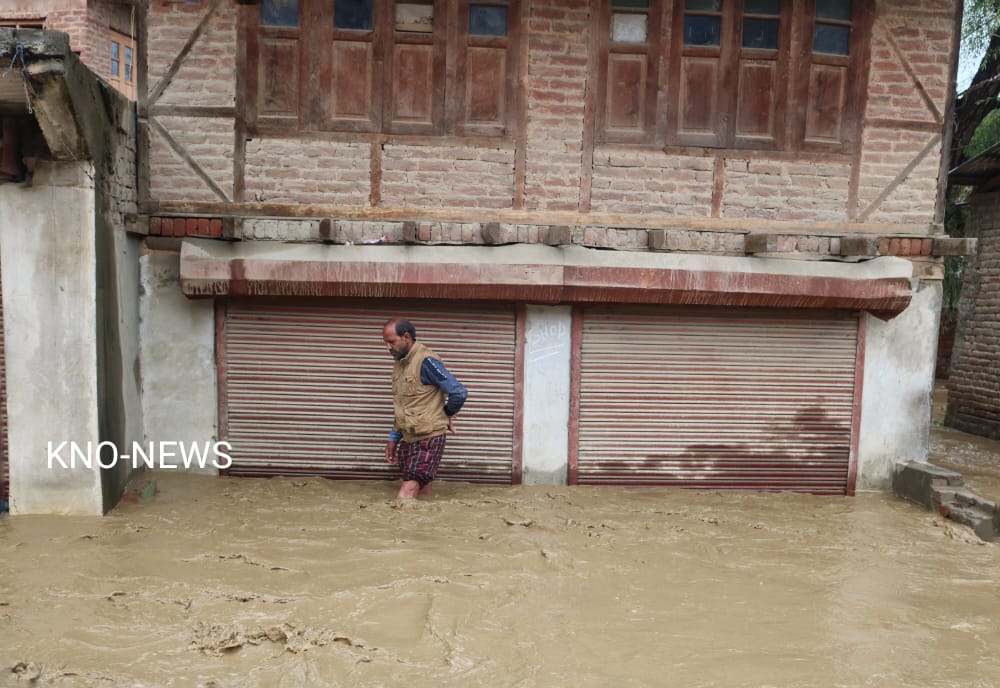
x: 179, y: 224
x: 904, y: 247
x: 883, y: 247
x: 154, y: 225
x: 203, y: 226
x: 192, y: 226
x: 215, y: 228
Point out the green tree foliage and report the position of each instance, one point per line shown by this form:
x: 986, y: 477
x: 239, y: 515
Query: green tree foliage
x: 986, y: 135
x: 980, y: 20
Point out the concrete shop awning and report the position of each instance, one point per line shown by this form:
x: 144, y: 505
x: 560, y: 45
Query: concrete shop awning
x: 538, y: 274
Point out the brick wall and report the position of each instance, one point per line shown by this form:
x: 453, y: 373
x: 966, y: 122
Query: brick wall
x: 207, y: 76
x: 210, y: 145
x: 558, y: 36
x: 974, y: 382
x: 289, y: 171
x: 911, y: 43
x: 786, y: 190
x: 119, y: 174
x: 447, y: 176
x: 641, y: 181
x: 897, y: 174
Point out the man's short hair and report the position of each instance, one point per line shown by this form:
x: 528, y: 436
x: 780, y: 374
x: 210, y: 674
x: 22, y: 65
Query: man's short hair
x: 403, y: 326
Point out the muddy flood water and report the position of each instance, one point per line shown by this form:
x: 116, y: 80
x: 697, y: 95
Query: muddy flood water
x: 309, y: 582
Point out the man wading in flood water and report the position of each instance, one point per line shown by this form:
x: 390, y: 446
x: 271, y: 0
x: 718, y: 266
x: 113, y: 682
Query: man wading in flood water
x: 425, y: 398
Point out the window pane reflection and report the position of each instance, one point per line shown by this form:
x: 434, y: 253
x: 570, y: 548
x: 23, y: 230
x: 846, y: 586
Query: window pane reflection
x: 279, y: 12
x: 760, y: 33
x: 702, y: 30
x: 487, y: 20
x: 831, y: 39
x: 353, y: 14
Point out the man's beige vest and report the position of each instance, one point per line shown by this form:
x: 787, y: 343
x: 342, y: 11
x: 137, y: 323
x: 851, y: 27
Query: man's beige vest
x: 419, y: 408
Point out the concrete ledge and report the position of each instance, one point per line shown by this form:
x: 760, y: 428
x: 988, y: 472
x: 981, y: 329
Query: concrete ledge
x: 539, y: 274
x: 939, y: 489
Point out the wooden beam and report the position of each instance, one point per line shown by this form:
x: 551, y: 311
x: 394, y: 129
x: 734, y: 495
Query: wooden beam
x: 718, y: 185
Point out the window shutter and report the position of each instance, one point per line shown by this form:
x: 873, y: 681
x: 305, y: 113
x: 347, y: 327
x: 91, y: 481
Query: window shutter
x: 701, y: 114
x: 278, y: 77
x: 763, y: 35
x: 274, y: 81
x: 829, y: 81
x: 630, y: 36
x: 482, y: 95
x: 416, y: 64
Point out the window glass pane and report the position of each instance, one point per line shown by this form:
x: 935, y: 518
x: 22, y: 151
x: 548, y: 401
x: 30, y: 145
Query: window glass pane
x: 279, y: 12
x: 128, y: 72
x: 772, y: 7
x: 703, y: 5
x: 485, y: 20
x: 353, y: 14
x: 833, y: 9
x: 413, y: 17
x: 701, y: 30
x: 831, y: 39
x: 114, y: 50
x: 630, y: 3
x: 114, y: 67
x: 760, y: 33
x: 128, y: 54
x: 628, y: 28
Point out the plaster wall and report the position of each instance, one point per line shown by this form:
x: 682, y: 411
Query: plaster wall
x: 547, y: 355
x: 50, y: 340
x: 898, y: 383
x: 177, y: 357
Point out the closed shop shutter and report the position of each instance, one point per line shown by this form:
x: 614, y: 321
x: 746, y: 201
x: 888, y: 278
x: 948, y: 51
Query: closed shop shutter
x: 308, y: 390
x: 716, y: 399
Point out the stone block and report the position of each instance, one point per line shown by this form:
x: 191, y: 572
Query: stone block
x: 762, y: 243
x: 559, y: 235
x: 954, y: 246
x: 492, y: 234
x: 859, y: 246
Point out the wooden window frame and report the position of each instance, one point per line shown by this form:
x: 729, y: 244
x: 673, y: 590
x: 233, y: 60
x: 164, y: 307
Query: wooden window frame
x: 796, y: 74
x: 125, y: 86
x: 28, y: 23
x: 444, y: 57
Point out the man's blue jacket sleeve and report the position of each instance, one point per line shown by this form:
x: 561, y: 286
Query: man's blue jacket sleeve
x: 434, y: 373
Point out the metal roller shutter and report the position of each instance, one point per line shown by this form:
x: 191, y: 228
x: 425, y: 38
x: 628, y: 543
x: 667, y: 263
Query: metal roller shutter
x: 717, y: 399
x: 307, y: 390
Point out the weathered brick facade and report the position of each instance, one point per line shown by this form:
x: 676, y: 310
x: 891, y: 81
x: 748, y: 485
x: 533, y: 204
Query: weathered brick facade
x: 551, y: 169
x: 87, y: 23
x: 974, y: 379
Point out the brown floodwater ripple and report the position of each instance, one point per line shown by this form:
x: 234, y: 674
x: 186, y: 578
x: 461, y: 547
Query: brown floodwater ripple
x: 308, y: 582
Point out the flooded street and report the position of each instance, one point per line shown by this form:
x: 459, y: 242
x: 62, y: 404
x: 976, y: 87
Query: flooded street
x: 293, y: 582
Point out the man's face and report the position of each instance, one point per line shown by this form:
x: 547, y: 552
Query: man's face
x: 397, y: 346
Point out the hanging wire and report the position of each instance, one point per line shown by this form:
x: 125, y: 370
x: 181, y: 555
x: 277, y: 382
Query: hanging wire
x: 29, y: 91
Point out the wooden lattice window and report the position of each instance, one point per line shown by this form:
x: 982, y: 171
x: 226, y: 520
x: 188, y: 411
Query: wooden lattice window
x: 729, y: 75
x: 426, y: 67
